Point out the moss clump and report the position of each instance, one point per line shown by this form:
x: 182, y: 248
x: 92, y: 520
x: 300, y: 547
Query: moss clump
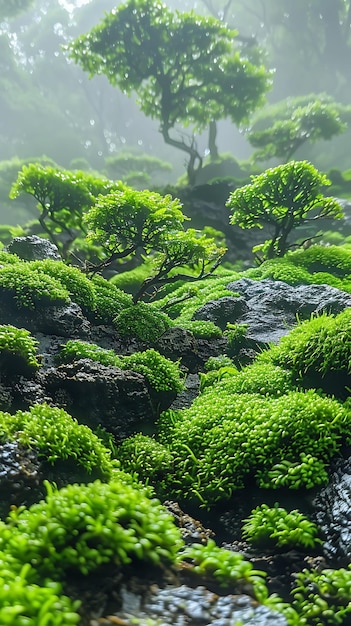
x: 147, y: 458
x: 77, y: 284
x: 280, y: 269
x: 110, y: 300
x: 161, y: 373
x: 306, y: 473
x: 18, y: 350
x: 315, y: 349
x: 226, y: 439
x: 29, y: 287
x: 259, y: 378
x: 323, y: 597
x: 334, y: 260
x: 57, y: 436
x: 275, y: 525
x: 143, y: 321
x: 201, y: 329
x: 81, y: 528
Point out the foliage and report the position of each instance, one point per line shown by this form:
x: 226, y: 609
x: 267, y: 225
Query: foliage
x: 80, y: 528
x: 184, y: 67
x: 18, y: 342
x: 236, y: 334
x: 215, y: 363
x: 10, y: 8
x: 126, y: 165
x: 335, y: 260
x: 225, y: 566
x: 298, y: 123
x: 57, y: 436
x: 30, y: 287
x: 226, y: 438
x: 314, y: 349
x: 285, y: 529
x: 304, y: 474
x: 282, y: 198
x: 323, y: 596
x: 161, y: 373
x: 143, y: 321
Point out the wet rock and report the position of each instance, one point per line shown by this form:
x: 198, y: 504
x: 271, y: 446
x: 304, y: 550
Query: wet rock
x: 99, y: 395
x: 34, y: 248
x: 221, y: 311
x: 179, y: 343
x: 333, y: 514
x: 20, y: 476
x: 192, y: 530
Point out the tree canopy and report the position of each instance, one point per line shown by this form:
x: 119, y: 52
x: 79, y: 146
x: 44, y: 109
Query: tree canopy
x: 184, y: 67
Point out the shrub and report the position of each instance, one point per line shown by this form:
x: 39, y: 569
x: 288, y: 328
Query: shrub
x: 161, y: 373
x: 225, y: 439
x: 80, y: 528
x: 18, y: 350
x: 56, y: 435
x: 77, y: 284
x: 267, y: 525
x: 143, y: 321
x: 323, y: 597
x: 29, y: 287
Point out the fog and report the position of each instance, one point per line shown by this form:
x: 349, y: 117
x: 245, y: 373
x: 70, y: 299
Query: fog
x: 50, y: 107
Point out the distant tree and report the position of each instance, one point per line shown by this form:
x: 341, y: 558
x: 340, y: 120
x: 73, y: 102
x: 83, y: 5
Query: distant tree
x: 184, y: 68
x: 135, y: 168
x: 10, y: 8
x: 294, y: 123
x: 282, y: 198
x: 63, y: 197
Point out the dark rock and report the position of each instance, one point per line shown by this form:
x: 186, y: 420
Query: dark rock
x: 20, y: 476
x: 98, y: 395
x: 333, y: 514
x: 185, y: 398
x: 192, y: 530
x: 34, y: 248
x: 221, y: 311
x: 179, y: 343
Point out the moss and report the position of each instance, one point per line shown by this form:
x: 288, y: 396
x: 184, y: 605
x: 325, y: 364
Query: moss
x: 31, y: 288
x: 143, y: 321
x: 81, y: 528
x: 323, y: 596
x: 335, y: 260
x: 285, y: 529
x: 18, y: 351
x: 315, y: 349
x: 148, y: 459
x: 110, y: 300
x: 161, y: 373
x: 259, y: 378
x: 226, y: 439
x: 57, y: 436
x: 77, y: 284
x: 201, y: 329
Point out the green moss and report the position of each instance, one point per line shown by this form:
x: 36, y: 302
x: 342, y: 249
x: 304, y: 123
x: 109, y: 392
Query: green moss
x: 81, y: 528
x: 215, y: 363
x: 201, y: 329
x: 323, y: 596
x: 131, y: 280
x: 315, y: 348
x: 143, y: 321
x: 77, y: 284
x: 161, y: 373
x: 275, y: 525
x: 264, y: 379
x: 280, y: 269
x: 306, y: 473
x: 18, y: 350
x: 148, y: 459
x: 226, y: 439
x: 334, y: 260
x: 110, y: 300
x: 29, y: 287
x: 57, y: 436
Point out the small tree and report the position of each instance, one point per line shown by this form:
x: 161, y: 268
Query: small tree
x: 282, y: 198
x: 63, y: 197
x: 127, y: 221
x: 295, y: 122
x: 184, y: 67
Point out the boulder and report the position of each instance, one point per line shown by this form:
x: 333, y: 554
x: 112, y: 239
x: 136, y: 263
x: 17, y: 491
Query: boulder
x: 34, y: 248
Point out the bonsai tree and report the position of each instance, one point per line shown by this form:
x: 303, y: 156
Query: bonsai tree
x: 282, y: 198
x: 294, y: 122
x: 184, y: 68
x: 127, y: 221
x: 62, y: 198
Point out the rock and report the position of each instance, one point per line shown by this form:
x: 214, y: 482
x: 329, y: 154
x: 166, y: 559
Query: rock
x: 98, y: 395
x: 221, y: 311
x: 20, y: 476
x: 179, y: 343
x: 333, y: 514
x: 34, y: 248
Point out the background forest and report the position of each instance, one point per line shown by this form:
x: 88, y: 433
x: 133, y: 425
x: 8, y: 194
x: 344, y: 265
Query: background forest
x: 50, y: 107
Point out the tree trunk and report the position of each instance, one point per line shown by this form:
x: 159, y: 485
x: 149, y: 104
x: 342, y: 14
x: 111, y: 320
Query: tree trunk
x: 194, y: 156
x: 212, y: 146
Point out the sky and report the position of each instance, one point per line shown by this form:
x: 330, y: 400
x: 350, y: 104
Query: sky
x: 69, y: 6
